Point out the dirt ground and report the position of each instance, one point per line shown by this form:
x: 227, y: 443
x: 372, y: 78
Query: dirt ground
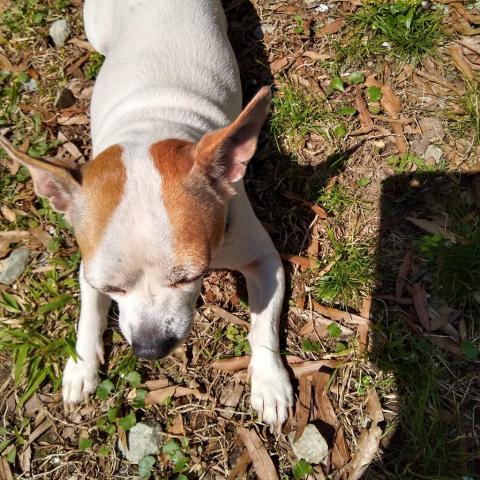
x: 366, y: 179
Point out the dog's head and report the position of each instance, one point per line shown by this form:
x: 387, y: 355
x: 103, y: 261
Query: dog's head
x: 149, y: 220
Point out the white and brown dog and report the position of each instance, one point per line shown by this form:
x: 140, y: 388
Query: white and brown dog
x: 170, y: 148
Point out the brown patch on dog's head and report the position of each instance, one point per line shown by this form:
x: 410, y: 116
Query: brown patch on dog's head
x: 197, y: 180
x: 103, y: 182
x: 195, y: 209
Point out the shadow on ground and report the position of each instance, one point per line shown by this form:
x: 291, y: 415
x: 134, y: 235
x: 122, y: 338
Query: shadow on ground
x: 429, y: 428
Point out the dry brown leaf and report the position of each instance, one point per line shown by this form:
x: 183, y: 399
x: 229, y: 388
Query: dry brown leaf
x: 5, y: 472
x: 390, y: 102
x: 443, y: 342
x: 316, y: 209
x: 298, y: 260
x: 431, y: 226
x: 324, y: 411
x: 230, y: 399
x: 177, y: 428
x: 462, y: 64
x: 403, y: 272
x: 9, y: 214
x: 303, y: 405
x: 279, y: 64
x: 14, y: 236
x: 367, y: 446
x: 363, y: 113
x: 156, y: 384
x: 307, y: 368
x: 232, y: 364
x: 82, y: 44
x: 41, y: 235
x: 159, y: 395
x: 240, y: 468
x: 229, y: 317
x: 331, y: 28
x: 69, y: 119
x: 316, y: 55
x: 369, y: 441
x: 336, y: 314
x: 420, y: 302
x: 262, y: 462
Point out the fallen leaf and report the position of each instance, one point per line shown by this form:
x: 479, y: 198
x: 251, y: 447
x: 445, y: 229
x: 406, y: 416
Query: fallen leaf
x: 160, y: 395
x: 229, y: 317
x: 156, y: 384
x: 14, y: 236
x: 443, y: 342
x: 431, y: 226
x: 230, y: 398
x: 5, y: 472
x: 316, y: 209
x: 303, y: 405
x: 176, y: 427
x: 403, y: 272
x: 279, y: 64
x: 336, y: 314
x: 368, y: 442
x: 420, y: 302
x: 324, y: 411
x: 232, y: 364
x: 240, y: 468
x: 262, y: 462
x: 307, y: 368
x: 331, y: 28
x: 462, y: 64
x: 363, y: 113
x: 69, y: 119
x: 9, y: 214
x: 298, y: 260
x: 316, y: 55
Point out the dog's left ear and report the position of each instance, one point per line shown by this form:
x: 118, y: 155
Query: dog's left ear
x: 54, y: 180
x: 224, y: 154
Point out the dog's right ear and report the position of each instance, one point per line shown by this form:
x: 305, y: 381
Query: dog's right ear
x: 55, y: 181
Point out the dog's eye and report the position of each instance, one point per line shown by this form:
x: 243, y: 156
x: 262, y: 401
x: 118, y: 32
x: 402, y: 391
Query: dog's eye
x: 114, y: 290
x: 184, y: 281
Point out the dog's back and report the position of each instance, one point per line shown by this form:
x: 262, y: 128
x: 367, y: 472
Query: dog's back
x: 170, y: 71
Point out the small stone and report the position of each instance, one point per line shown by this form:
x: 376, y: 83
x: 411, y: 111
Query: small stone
x: 435, y: 152
x: 432, y: 129
x: 14, y: 265
x: 59, y: 32
x: 65, y: 99
x: 311, y: 446
x: 143, y: 439
x: 261, y: 30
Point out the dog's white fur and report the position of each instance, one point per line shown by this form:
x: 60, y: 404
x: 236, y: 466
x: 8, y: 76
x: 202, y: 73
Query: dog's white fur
x: 169, y: 72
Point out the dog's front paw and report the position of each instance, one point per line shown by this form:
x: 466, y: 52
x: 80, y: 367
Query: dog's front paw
x: 271, y: 392
x: 80, y: 379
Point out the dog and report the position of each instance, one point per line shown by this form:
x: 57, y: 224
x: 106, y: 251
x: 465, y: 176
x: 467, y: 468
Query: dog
x: 162, y: 199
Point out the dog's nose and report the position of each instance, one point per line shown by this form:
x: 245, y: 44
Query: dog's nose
x: 153, y: 348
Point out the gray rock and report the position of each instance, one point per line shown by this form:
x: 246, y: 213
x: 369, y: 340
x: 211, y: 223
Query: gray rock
x: 311, y: 446
x: 435, y: 152
x: 432, y: 129
x: 14, y: 265
x: 261, y: 30
x: 143, y: 439
x: 59, y: 32
x: 65, y: 98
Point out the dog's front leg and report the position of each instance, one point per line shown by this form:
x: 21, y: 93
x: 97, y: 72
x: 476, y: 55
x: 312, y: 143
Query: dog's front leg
x: 80, y: 377
x: 271, y: 393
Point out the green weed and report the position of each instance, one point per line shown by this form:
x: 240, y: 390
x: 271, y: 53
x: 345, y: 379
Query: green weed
x: 238, y: 337
x: 335, y: 199
x: 409, y: 27
x: 296, y: 114
x: 93, y: 66
x: 471, y: 104
x: 351, y: 276
x: 407, y: 162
